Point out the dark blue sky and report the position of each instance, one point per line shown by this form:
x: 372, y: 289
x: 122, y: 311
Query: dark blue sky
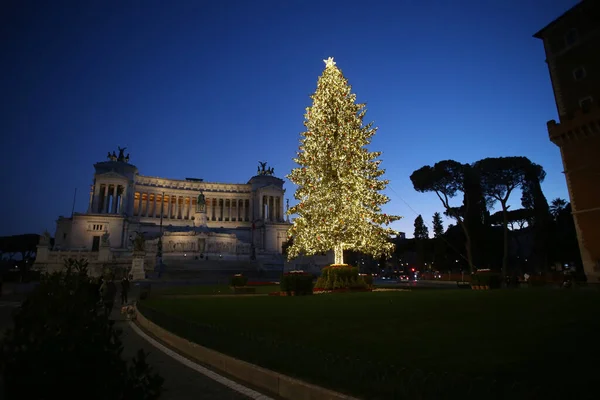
x: 206, y: 89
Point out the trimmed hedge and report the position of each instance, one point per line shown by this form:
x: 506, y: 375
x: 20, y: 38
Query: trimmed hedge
x: 367, y: 278
x: 341, y: 277
x: 299, y: 282
x: 239, y: 280
x: 487, y: 278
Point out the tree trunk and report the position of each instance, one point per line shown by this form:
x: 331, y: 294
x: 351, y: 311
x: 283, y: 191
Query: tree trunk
x: 338, y: 254
x: 505, y: 250
x: 468, y: 246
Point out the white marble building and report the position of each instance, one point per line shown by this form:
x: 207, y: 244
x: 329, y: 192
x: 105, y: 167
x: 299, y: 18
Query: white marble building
x: 241, y: 221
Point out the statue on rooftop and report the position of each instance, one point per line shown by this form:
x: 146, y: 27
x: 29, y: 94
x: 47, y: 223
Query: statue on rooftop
x: 263, y: 170
x: 121, y: 153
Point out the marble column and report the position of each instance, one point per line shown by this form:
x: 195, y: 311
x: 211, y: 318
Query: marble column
x: 114, y: 200
x: 105, y: 204
x: 168, y: 207
x: 122, y: 199
x: 91, y: 199
x: 111, y: 198
x: 96, y: 199
x: 177, y: 207
x: 173, y: 206
x: 147, y: 209
x: 154, y: 207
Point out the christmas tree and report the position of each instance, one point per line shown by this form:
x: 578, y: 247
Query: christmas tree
x: 338, y: 177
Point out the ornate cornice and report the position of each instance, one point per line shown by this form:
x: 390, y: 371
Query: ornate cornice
x: 178, y: 184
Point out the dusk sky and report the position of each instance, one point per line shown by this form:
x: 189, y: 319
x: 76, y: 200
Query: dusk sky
x: 207, y: 89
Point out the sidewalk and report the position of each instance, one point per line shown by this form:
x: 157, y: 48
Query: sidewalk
x: 181, y: 382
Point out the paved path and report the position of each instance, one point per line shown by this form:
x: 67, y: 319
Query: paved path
x: 181, y: 381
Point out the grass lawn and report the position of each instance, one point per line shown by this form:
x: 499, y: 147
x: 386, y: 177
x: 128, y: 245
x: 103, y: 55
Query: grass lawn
x: 432, y: 344
x: 211, y: 290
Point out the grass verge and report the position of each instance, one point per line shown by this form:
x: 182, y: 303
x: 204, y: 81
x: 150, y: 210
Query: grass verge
x: 210, y: 290
x: 423, y: 344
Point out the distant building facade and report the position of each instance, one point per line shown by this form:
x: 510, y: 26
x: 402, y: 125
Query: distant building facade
x: 572, y: 46
x: 176, y: 218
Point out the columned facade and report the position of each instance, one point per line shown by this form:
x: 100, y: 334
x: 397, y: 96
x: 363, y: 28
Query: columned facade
x: 239, y: 220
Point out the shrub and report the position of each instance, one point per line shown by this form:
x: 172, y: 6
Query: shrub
x: 367, y: 279
x: 63, y: 343
x: 239, y: 280
x: 340, y: 277
x: 487, y: 278
x: 299, y: 282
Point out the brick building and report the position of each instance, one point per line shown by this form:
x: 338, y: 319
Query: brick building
x: 572, y: 46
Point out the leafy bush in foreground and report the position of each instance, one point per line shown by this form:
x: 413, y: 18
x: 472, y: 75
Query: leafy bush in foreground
x: 63, y: 346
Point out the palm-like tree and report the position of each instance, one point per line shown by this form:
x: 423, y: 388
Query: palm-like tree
x: 556, y: 206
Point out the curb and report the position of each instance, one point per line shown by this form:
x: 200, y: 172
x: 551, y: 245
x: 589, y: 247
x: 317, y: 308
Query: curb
x: 259, y: 377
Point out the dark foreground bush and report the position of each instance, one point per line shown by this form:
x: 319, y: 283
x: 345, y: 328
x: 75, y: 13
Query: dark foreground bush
x: 63, y: 346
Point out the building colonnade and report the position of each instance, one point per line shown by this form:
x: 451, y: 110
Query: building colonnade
x: 107, y: 198
x: 111, y: 199
x: 183, y: 207
x: 272, y: 208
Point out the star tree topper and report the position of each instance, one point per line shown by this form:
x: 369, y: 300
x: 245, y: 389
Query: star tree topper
x: 329, y: 62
